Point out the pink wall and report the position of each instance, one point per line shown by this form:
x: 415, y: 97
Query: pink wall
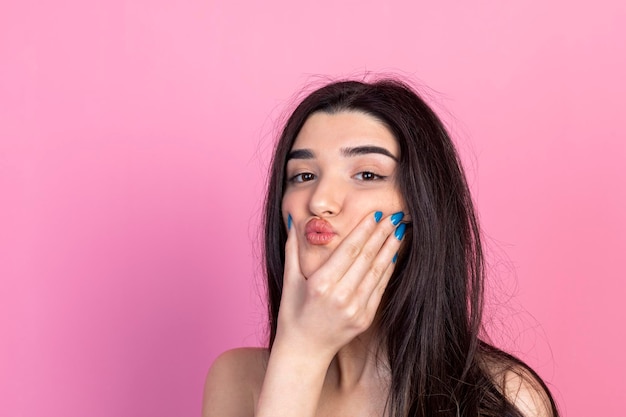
x: 133, y: 141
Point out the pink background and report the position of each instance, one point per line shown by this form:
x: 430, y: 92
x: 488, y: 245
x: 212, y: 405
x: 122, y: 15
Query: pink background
x: 134, y: 140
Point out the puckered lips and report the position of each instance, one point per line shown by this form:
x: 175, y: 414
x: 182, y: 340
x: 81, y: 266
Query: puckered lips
x: 319, y: 232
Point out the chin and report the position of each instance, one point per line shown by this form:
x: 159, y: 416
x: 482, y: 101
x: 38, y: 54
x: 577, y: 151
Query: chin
x: 309, y: 269
x: 310, y: 263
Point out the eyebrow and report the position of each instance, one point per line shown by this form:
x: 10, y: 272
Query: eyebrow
x: 364, y: 150
x: 348, y: 152
x: 301, y: 154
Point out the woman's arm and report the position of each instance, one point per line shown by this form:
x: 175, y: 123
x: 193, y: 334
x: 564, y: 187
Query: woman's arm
x: 324, y: 312
x: 235, y: 379
x: 318, y: 315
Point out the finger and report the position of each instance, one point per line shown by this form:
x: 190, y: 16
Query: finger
x: 372, y: 262
x: 292, y: 274
x: 348, y: 250
x: 376, y: 295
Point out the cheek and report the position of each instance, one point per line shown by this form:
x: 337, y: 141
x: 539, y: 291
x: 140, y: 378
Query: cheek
x: 287, y: 200
x: 387, y: 201
x: 294, y: 201
x: 396, y: 201
x: 286, y: 207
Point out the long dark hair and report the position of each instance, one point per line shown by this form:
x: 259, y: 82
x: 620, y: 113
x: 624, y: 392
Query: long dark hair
x: 430, y: 315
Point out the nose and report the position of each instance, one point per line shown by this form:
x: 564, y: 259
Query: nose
x: 327, y: 198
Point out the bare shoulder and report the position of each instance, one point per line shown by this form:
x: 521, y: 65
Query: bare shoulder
x: 233, y: 383
x: 522, y: 387
x: 527, y: 392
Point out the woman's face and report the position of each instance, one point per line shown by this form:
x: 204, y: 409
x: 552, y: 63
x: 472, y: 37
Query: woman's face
x: 341, y: 168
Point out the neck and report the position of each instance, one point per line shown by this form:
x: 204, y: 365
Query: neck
x: 358, y: 364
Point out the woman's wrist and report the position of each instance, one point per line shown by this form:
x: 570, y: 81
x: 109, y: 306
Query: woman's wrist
x: 302, y: 353
x: 295, y: 371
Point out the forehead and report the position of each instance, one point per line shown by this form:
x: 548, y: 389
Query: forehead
x: 344, y: 129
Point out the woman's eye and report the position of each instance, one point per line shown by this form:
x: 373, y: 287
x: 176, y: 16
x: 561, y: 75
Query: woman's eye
x: 303, y: 177
x: 367, y: 176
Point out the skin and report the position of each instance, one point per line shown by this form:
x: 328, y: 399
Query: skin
x: 339, y: 188
x: 323, y: 359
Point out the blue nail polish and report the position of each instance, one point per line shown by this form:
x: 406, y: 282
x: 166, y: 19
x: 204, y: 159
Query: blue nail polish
x: 396, y: 218
x: 378, y: 215
x: 400, y: 231
x: 289, y: 222
x: 395, y: 258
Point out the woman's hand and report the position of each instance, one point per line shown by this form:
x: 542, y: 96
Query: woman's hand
x: 337, y: 302
x: 321, y: 314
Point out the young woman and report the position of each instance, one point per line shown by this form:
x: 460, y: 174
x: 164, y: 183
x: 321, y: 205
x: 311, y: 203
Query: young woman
x: 374, y: 274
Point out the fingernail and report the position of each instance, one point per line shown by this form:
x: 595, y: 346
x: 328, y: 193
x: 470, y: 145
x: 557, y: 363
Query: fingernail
x: 400, y: 231
x: 289, y: 222
x: 395, y: 258
x: 378, y: 215
x: 396, y: 218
